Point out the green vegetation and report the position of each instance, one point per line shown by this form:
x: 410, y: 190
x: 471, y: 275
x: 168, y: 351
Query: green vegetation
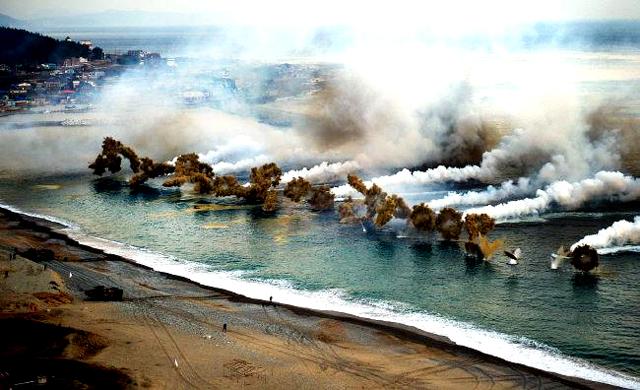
x: 27, y: 48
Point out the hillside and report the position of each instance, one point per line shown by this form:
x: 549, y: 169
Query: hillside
x: 24, y: 47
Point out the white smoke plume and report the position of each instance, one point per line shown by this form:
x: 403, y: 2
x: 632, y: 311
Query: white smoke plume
x: 508, y: 189
x: 384, y: 99
x: 244, y: 165
x: 554, y: 170
x: 233, y: 149
x: 405, y: 177
x: 323, y: 172
x: 549, y: 149
x: 619, y: 234
x: 605, y: 185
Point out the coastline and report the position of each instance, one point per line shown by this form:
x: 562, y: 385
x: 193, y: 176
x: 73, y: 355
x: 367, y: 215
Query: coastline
x: 404, y: 333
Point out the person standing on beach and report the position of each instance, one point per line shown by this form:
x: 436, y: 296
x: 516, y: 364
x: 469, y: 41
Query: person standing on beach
x: 224, y: 327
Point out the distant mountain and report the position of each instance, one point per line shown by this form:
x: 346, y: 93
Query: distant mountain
x: 24, y: 47
x: 8, y: 21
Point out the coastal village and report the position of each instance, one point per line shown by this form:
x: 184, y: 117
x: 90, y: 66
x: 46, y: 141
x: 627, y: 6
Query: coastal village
x: 74, y: 83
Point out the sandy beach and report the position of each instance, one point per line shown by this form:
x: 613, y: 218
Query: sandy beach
x: 167, y: 332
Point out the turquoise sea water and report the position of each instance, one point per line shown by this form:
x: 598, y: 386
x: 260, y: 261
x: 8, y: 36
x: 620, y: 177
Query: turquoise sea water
x: 525, y: 312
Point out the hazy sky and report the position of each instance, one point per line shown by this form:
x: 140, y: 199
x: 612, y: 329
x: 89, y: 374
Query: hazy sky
x: 280, y: 12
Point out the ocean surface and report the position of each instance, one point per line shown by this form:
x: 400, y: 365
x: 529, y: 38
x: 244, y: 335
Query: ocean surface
x: 556, y: 320
x: 169, y: 41
x: 177, y: 41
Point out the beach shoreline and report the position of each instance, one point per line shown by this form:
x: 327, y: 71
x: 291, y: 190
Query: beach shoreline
x: 51, y: 232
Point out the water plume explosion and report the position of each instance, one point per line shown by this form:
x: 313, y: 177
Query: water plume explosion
x: 380, y: 208
x: 584, y: 258
x: 320, y: 198
x: 347, y: 211
x: 296, y: 189
x: 449, y: 223
x: 478, y: 225
x: 144, y: 169
x: 110, y: 158
x: 189, y: 169
x: 423, y: 218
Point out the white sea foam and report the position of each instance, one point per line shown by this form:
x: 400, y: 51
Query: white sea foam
x: 511, y: 348
x: 49, y: 218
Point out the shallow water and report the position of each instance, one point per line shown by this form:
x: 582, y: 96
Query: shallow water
x: 416, y: 281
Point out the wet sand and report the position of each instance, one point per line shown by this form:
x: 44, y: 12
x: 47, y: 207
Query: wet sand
x: 167, y: 332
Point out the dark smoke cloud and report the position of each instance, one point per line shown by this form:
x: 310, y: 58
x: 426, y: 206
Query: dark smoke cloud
x: 189, y: 169
x: 109, y: 158
x: 612, y: 120
x: 349, y: 117
x: 460, y: 136
x: 423, y: 218
x: 297, y: 189
x: 341, y: 115
x: 320, y: 198
x: 270, y: 201
x: 143, y: 168
x: 584, y: 258
x: 347, y: 212
x: 478, y: 225
x: 449, y: 223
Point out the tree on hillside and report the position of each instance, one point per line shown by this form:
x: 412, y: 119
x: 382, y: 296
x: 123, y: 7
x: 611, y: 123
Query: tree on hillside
x: 24, y: 47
